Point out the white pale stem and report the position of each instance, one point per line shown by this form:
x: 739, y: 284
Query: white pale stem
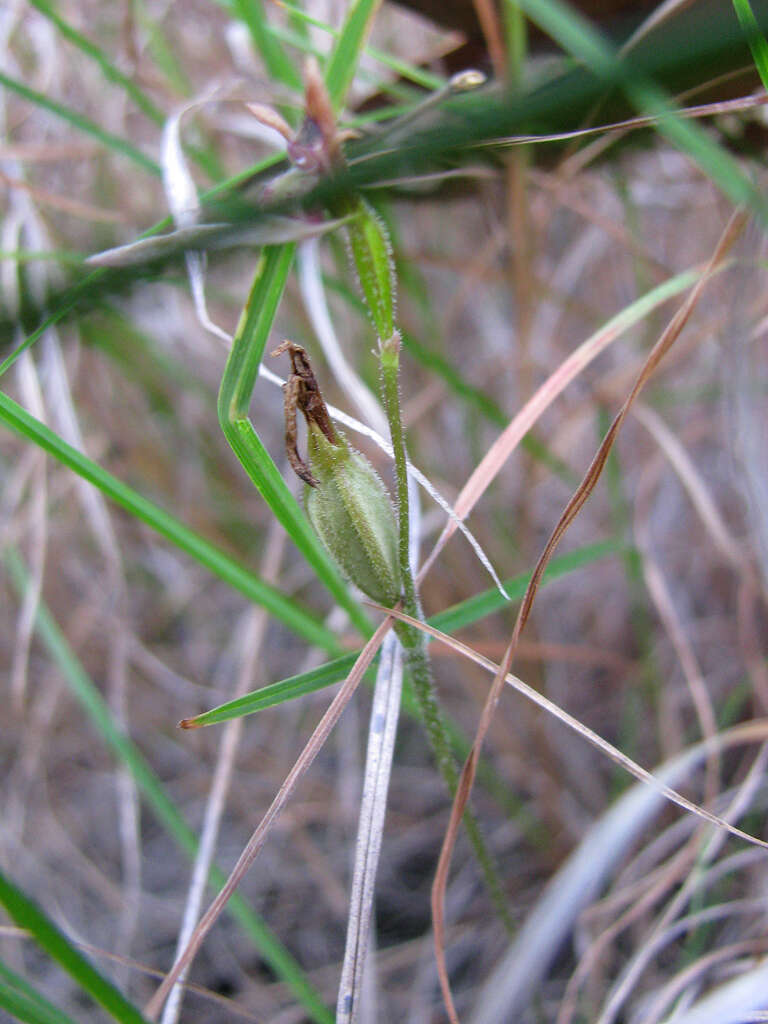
x: 378, y: 765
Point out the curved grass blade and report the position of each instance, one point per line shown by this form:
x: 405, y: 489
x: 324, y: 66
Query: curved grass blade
x: 234, y: 399
x: 203, y: 552
x: 27, y: 914
x: 127, y: 753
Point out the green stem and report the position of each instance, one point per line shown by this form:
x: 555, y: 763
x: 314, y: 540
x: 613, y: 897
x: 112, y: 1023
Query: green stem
x: 413, y: 640
x: 390, y: 370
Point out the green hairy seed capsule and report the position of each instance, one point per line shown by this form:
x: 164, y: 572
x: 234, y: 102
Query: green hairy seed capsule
x: 352, y: 514
x: 346, y: 502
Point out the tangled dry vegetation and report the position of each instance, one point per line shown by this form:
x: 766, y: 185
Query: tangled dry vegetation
x: 653, y: 636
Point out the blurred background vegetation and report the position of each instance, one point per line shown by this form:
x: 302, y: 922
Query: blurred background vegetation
x: 124, y: 614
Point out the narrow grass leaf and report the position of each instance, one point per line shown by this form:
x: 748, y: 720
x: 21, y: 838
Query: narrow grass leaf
x: 276, y: 693
x: 83, y: 124
x: 22, y: 1008
x: 276, y: 61
x: 27, y: 914
x: 196, y: 546
x: 272, y: 230
x: 345, y: 55
x: 403, y: 69
x: 757, y: 41
x: 22, y: 1000
x: 127, y: 753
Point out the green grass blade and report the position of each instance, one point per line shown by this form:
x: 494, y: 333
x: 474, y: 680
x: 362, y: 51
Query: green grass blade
x: 161, y: 51
x: 108, y: 68
x: 426, y: 79
x: 19, y: 998
x: 575, y: 34
x: 277, y: 63
x: 83, y: 124
x: 27, y: 914
x: 22, y: 1008
x: 205, y: 553
x: 278, y: 693
x: 464, y: 614
x: 303, y: 44
x: 234, y: 398
x: 344, y: 57
x: 126, y: 752
x: 515, y: 37
x: 757, y: 41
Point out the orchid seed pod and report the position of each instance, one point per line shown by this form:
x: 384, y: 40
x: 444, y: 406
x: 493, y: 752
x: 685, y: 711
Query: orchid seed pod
x: 346, y: 501
x: 352, y: 514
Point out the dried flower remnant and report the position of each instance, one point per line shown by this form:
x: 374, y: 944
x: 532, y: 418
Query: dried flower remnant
x: 315, y: 149
x: 317, y: 145
x: 301, y: 392
x: 346, y: 501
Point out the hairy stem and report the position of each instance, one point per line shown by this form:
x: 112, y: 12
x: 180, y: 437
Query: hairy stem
x: 413, y: 640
